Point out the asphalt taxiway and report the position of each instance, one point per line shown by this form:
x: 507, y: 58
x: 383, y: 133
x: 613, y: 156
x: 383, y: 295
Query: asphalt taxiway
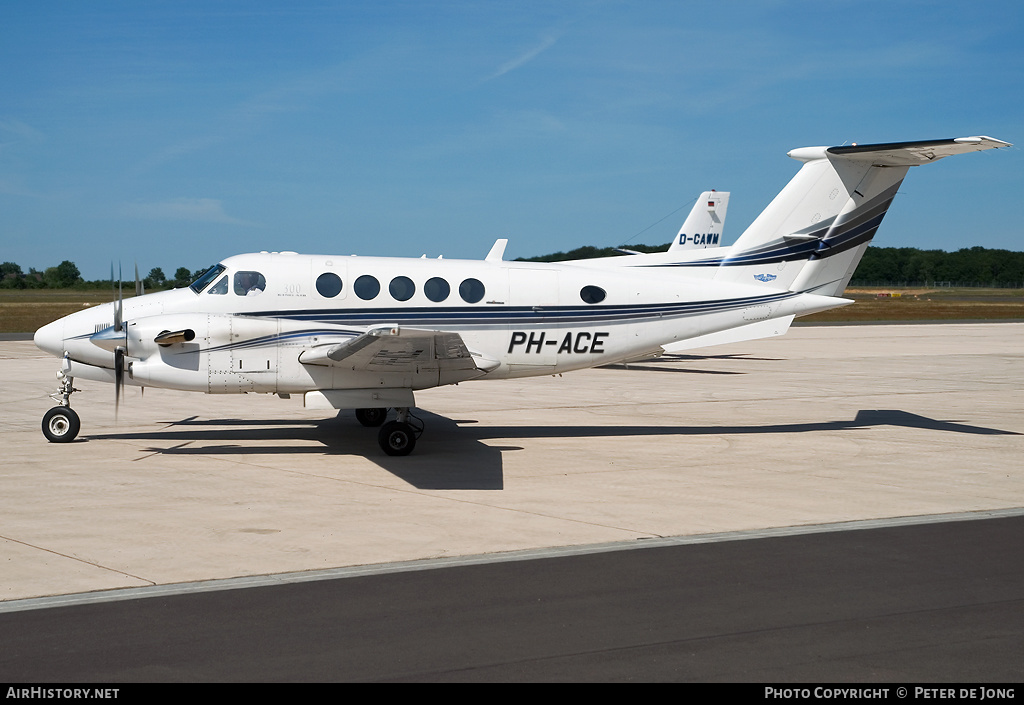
x: 822, y: 426
x: 918, y: 604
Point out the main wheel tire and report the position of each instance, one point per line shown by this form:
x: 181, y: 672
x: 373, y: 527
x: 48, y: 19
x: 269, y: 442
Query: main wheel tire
x: 61, y: 424
x: 396, y: 438
x: 372, y: 417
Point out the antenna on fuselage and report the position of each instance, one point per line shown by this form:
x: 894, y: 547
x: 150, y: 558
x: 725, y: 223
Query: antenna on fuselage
x: 497, y: 251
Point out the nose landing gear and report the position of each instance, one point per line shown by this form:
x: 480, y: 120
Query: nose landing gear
x: 61, y: 424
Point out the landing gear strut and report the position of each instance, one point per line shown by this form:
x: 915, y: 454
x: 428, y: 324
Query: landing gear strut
x: 61, y: 424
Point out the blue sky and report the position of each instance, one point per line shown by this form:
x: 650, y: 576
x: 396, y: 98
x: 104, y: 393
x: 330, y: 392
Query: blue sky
x: 178, y: 133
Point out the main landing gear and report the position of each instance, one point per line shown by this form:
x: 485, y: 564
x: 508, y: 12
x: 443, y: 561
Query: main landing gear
x: 396, y: 437
x: 61, y: 424
x: 372, y: 417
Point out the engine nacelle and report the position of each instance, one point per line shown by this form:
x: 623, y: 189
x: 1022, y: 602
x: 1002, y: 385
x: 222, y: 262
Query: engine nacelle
x: 204, y: 352
x: 155, y: 361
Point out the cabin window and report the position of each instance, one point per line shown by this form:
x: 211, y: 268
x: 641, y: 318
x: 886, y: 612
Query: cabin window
x: 220, y: 287
x: 206, y: 277
x: 328, y: 285
x: 366, y: 287
x: 402, y: 288
x: 437, y: 289
x: 471, y: 290
x: 592, y: 294
x: 249, y: 283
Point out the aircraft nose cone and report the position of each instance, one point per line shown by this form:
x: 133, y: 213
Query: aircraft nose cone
x: 50, y: 338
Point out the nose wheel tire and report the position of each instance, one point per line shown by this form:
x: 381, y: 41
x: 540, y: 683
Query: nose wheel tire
x: 397, y: 438
x: 61, y: 425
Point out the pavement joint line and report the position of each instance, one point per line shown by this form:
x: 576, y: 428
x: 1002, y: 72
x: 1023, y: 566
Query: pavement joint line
x: 73, y: 558
x: 174, y: 589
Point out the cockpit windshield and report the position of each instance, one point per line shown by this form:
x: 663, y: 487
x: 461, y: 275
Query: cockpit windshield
x: 206, y: 277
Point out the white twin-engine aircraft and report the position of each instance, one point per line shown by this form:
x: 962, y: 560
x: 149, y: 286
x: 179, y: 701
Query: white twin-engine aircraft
x: 364, y: 333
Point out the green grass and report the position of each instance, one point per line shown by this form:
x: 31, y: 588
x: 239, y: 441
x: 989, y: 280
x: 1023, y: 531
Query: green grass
x: 919, y: 304
x: 25, y: 310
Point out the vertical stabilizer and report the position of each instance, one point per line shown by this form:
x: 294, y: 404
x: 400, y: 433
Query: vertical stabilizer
x: 812, y: 235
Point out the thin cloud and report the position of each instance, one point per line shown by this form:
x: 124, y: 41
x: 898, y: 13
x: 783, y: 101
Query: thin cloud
x: 201, y: 210
x: 15, y: 132
x: 523, y: 59
x: 248, y: 117
x: 21, y: 130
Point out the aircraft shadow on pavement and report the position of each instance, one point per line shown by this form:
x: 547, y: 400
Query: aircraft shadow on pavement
x: 455, y: 453
x: 865, y: 418
x: 668, y: 362
x: 444, y: 458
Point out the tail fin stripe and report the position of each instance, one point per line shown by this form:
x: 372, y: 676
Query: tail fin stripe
x: 777, y: 251
x: 869, y: 209
x: 833, y: 236
x: 852, y: 231
x: 849, y: 240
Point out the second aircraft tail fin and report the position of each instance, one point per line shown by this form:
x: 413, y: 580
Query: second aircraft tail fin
x: 703, y: 227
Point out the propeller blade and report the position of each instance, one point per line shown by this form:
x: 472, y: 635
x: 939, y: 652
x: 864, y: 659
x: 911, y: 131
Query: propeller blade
x: 119, y: 308
x: 118, y: 379
x: 139, y: 288
x: 105, y: 338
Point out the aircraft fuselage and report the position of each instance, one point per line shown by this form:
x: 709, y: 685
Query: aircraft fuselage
x: 519, y: 319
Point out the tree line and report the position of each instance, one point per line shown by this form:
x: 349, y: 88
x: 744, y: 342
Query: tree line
x: 909, y: 266
x: 67, y: 276
x: 881, y: 266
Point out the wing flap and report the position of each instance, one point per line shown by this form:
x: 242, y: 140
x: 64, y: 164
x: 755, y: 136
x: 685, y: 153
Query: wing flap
x: 398, y: 349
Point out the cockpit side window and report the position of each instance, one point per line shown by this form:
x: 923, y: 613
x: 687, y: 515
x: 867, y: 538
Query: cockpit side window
x: 220, y: 288
x: 206, y: 278
x: 249, y: 283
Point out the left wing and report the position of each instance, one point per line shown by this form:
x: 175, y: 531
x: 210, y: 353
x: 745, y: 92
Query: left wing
x: 397, y: 349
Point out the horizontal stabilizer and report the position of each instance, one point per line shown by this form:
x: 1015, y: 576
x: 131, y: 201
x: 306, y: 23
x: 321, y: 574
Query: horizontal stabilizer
x: 915, y: 153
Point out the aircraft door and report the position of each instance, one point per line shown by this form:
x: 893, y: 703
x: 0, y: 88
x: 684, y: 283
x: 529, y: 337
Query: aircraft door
x: 533, y: 337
